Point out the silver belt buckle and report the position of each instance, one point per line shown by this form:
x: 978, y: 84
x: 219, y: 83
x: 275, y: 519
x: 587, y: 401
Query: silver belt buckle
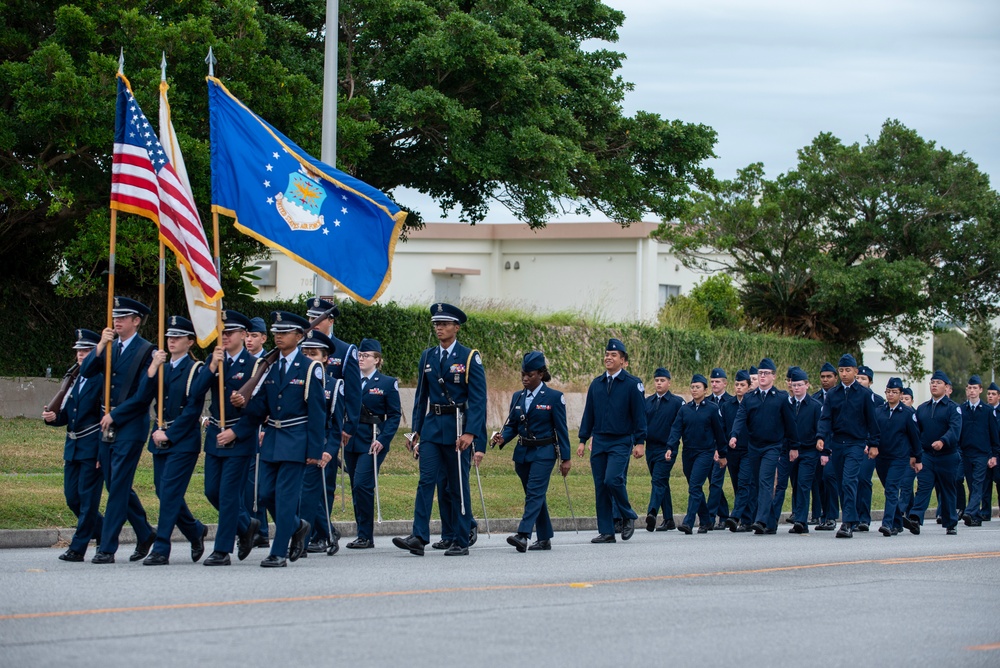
x: 276, y: 424
x: 71, y: 435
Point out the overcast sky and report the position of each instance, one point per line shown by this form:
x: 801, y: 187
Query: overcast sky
x: 769, y: 75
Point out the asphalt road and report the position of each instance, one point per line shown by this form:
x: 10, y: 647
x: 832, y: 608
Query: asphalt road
x: 713, y: 600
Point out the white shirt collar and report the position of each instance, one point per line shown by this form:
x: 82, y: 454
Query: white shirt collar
x: 614, y: 375
x: 448, y: 349
x: 124, y: 342
x: 289, y: 358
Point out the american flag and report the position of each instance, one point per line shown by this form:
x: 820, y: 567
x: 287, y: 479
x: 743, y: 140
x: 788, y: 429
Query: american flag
x: 144, y: 182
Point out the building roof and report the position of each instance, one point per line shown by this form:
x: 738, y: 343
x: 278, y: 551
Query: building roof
x: 486, y: 231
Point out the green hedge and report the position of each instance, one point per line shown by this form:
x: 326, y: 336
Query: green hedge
x: 574, y: 352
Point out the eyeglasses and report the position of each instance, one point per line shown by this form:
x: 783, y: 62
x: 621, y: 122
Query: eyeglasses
x: 366, y: 356
x: 765, y: 372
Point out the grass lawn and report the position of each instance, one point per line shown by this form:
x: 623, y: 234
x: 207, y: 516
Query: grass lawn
x: 31, y: 483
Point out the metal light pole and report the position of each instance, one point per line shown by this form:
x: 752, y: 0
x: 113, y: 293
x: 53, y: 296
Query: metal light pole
x: 328, y: 152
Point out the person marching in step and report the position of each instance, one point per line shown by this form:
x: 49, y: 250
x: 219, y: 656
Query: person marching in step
x: 368, y: 447
x: 699, y: 425
x: 787, y: 473
x: 316, y: 506
x: 803, y: 452
x: 80, y: 413
x: 614, y: 415
x: 993, y: 475
x: 899, y: 451
x: 765, y: 417
x: 744, y: 498
x: 230, y: 448
x: 940, y: 422
x: 718, y: 504
x: 616, y: 512
x: 449, y: 422
x: 866, y: 376
x: 829, y: 492
x: 292, y: 402
x: 849, y: 430
x: 661, y: 409
x: 176, y: 443
x: 342, y: 365
x: 980, y: 446
x: 124, y: 428
x: 537, y: 418
x: 256, y: 340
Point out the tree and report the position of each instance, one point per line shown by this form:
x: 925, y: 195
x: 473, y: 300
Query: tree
x: 868, y: 240
x: 468, y: 102
x: 721, y: 301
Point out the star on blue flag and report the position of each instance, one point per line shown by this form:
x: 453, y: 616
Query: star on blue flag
x: 340, y: 227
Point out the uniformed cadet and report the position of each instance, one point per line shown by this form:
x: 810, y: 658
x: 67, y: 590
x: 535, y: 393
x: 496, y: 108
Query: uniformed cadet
x: 754, y: 378
x: 803, y: 452
x: 292, y: 402
x: 342, y: 365
x: 718, y: 504
x: 80, y: 412
x: 980, y: 446
x: 899, y: 451
x: 993, y: 475
x: 940, y: 422
x: 661, y: 409
x: 787, y: 473
x: 368, y: 447
x: 230, y: 448
x: 699, y: 425
x: 615, y: 417
x: 537, y: 418
x: 866, y: 376
x: 255, y: 342
x: 449, y: 417
x: 176, y: 442
x: 907, y: 397
x: 744, y: 503
x: 829, y: 490
x: 849, y: 430
x: 906, y: 488
x: 765, y: 416
x: 124, y: 428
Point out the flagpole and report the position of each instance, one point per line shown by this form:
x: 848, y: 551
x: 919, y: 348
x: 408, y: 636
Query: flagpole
x: 160, y: 339
x: 111, y: 306
x: 218, y: 323
x: 328, y: 142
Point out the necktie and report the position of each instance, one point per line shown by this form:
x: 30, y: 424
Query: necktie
x: 120, y: 348
x: 281, y: 370
x: 610, y: 382
x: 656, y: 404
x: 933, y: 406
x: 797, y: 404
x: 77, y: 386
x: 364, y: 381
x: 527, y: 401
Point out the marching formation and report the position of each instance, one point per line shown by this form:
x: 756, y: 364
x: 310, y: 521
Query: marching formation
x: 277, y: 420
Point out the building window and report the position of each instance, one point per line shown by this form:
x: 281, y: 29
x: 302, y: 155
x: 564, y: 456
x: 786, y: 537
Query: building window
x: 448, y: 288
x: 265, y: 274
x: 668, y: 291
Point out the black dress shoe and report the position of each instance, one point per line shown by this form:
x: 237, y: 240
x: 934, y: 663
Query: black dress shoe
x: 912, y: 525
x: 271, y: 561
x: 703, y: 528
x: 411, y: 543
x: 896, y: 531
x: 333, y: 546
x: 441, y: 545
x: 976, y: 523
x: 967, y: 518
x: 142, y: 549
x: 316, y: 546
x: 261, y: 541
x: 684, y: 529
x: 628, y: 529
x: 650, y: 522
x: 246, y: 541
x: 861, y: 527
x: 845, y: 531
x: 618, y: 526
x: 743, y: 528
x: 540, y: 545
x: 951, y: 532
x: 473, y: 534
x: 360, y: 544
x: 298, y: 545
x: 604, y: 538
x: 770, y: 532
x: 719, y: 526
x: 667, y: 525
x: 731, y: 524
x: 103, y: 558
x: 71, y: 555
x: 789, y: 520
x: 799, y: 527
x: 218, y: 559
x: 828, y: 525
x: 198, y: 545
x: 156, y: 559
x: 456, y: 550
x: 885, y: 531
x: 758, y: 528
x: 814, y: 521
x: 938, y: 519
x: 519, y: 542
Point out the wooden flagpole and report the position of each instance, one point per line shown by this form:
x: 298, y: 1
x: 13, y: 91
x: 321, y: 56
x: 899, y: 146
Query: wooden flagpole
x: 218, y: 325
x: 111, y: 306
x: 161, y: 342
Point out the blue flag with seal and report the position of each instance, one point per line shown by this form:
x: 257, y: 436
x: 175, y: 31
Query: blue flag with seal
x: 340, y: 227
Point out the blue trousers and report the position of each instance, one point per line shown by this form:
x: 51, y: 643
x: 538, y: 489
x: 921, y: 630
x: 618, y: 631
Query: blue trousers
x: 698, y: 465
x: 817, y: 491
x: 361, y: 469
x: 906, y: 489
x: 118, y: 462
x: 535, y: 478
x: 659, y: 474
x: 745, y: 504
x: 763, y: 461
x: 171, y: 476
x: 437, y: 461
x: 280, y: 490
x: 225, y: 479
x: 892, y: 473
x: 992, y: 477
x: 608, y: 468
x: 82, y: 486
x: 786, y: 471
x: 718, y: 504
x: 616, y: 512
x: 831, y: 491
x: 941, y: 471
x: 311, y: 506
x: 865, y: 490
x: 445, y: 509
x: 975, y: 469
x: 808, y: 466
x: 847, y: 460
x: 248, y: 498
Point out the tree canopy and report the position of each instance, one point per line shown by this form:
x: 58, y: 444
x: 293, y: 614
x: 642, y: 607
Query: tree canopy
x: 470, y: 102
x: 873, y: 239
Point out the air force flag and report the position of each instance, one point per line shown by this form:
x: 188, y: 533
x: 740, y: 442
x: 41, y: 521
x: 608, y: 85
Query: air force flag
x: 338, y: 226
